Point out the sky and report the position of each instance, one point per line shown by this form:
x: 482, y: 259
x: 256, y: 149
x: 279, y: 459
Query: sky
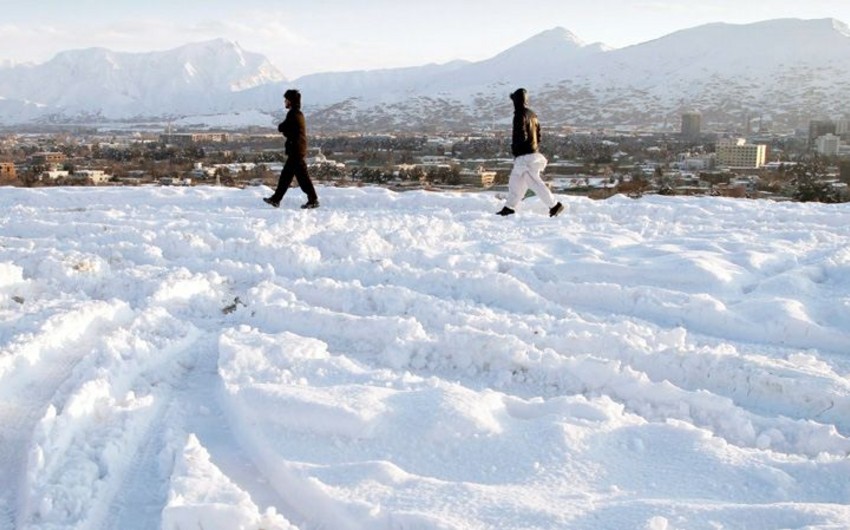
x: 314, y: 36
x: 175, y: 358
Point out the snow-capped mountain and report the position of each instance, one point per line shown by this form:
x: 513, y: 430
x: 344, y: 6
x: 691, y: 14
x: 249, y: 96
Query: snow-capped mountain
x: 784, y: 71
x: 195, y: 78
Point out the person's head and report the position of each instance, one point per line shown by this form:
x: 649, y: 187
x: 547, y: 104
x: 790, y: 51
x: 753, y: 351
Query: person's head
x: 520, y: 97
x: 292, y: 99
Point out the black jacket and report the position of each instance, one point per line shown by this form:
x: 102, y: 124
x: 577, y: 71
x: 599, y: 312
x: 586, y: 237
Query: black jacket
x: 294, y: 128
x: 526, y: 129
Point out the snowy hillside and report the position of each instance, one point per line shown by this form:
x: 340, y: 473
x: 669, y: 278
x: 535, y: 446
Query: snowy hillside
x: 197, y: 78
x: 786, y: 71
x: 192, y: 358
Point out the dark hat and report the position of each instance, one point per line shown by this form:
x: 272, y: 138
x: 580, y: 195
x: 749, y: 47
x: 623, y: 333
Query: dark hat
x: 520, y: 96
x: 293, y: 96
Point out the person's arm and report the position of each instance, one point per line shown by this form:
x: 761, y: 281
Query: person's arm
x: 287, y: 125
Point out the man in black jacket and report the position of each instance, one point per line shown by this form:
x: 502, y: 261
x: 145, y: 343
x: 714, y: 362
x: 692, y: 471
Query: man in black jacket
x: 528, y: 162
x: 294, y: 129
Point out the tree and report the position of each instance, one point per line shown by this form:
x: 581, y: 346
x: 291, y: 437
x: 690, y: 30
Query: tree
x: 844, y: 171
x: 809, y: 180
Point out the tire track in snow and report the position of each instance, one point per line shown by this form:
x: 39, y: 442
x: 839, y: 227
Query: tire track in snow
x: 204, y: 415
x: 191, y: 404
x: 141, y: 491
x: 50, y: 357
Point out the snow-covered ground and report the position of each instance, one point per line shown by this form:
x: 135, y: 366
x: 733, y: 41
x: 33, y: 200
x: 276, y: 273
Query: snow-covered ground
x: 186, y: 358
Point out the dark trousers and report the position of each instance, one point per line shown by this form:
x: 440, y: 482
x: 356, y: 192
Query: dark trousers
x: 297, y: 168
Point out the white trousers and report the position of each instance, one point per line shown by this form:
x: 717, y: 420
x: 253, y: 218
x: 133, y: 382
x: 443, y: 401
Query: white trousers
x: 526, y: 174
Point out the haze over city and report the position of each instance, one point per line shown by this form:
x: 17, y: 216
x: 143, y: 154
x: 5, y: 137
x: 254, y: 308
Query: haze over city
x: 331, y: 35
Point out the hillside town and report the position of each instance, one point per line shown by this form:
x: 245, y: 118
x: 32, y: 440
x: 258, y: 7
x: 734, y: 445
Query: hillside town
x: 812, y: 164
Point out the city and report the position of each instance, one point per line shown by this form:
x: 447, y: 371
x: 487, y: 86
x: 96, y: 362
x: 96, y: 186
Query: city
x: 811, y: 164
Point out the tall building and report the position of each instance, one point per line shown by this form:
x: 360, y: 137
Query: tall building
x: 818, y: 128
x: 738, y: 153
x: 842, y: 128
x: 828, y: 144
x: 691, y: 125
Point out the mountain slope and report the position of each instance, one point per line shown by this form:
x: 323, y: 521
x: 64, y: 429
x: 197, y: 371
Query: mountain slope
x: 787, y: 71
x: 199, y: 77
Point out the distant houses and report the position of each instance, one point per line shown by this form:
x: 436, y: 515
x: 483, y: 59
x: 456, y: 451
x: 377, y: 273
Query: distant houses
x: 8, y: 172
x: 597, y: 163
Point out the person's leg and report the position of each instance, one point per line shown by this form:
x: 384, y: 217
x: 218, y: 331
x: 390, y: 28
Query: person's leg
x: 517, y: 184
x: 305, y: 183
x: 535, y: 182
x: 285, y: 180
x: 536, y: 164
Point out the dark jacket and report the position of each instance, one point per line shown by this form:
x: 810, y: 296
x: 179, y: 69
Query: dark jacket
x: 294, y: 128
x: 526, y: 129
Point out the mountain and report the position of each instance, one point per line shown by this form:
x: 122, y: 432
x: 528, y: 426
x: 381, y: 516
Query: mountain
x: 196, y: 78
x: 785, y: 71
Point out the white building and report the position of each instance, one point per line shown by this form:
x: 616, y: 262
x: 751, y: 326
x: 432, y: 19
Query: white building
x: 736, y: 152
x: 828, y: 145
x: 691, y: 162
x: 54, y: 174
x: 95, y: 176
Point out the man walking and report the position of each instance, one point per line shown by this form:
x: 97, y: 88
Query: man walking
x: 294, y: 129
x: 528, y: 162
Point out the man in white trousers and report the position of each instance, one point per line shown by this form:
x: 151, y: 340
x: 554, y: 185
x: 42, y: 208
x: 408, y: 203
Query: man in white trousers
x: 528, y: 162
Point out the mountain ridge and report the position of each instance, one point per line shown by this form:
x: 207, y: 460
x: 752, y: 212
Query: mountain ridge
x: 786, y: 70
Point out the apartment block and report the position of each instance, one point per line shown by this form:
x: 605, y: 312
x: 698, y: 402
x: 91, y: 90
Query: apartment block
x: 828, y: 144
x: 691, y: 125
x: 739, y: 154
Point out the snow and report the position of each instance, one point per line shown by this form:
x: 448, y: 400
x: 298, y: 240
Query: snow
x: 232, y: 120
x: 182, y: 358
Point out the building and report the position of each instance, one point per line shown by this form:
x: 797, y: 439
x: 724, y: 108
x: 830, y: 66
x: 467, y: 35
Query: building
x: 842, y: 129
x: 7, y: 171
x: 695, y: 163
x: 737, y: 153
x: 828, y: 145
x: 186, y: 139
x: 95, y: 176
x: 54, y: 174
x: 47, y: 158
x: 691, y: 125
x: 818, y: 128
x: 479, y: 177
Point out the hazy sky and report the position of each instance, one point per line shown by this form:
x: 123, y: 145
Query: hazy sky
x: 312, y: 36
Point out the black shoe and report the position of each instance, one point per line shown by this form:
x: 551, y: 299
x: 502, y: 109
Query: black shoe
x: 555, y: 210
x: 505, y: 211
x: 269, y: 200
x: 309, y: 205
